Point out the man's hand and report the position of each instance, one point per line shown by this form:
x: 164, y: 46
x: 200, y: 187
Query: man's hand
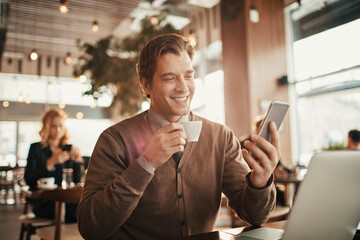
x: 164, y: 143
x: 267, y: 155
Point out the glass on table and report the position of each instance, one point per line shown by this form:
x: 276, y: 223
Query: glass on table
x: 67, y: 180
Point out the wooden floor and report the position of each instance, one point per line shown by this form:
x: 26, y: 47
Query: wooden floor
x: 9, y: 214
x: 9, y: 224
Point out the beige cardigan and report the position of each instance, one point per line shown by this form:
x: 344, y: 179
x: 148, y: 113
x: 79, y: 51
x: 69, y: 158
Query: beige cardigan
x: 121, y: 200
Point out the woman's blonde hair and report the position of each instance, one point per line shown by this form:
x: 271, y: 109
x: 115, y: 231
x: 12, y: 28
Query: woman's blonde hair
x: 46, y: 124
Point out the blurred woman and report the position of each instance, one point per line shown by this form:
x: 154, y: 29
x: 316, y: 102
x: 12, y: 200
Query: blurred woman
x: 47, y: 159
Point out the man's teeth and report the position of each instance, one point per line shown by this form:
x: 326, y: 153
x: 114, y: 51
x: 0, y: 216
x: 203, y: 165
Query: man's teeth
x: 180, y: 99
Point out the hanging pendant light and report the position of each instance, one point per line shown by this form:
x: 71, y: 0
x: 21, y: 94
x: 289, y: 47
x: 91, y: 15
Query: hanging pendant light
x: 63, y: 6
x: 95, y: 26
x: 254, y: 14
x: 34, y: 55
x: 192, y: 38
x: 68, y: 58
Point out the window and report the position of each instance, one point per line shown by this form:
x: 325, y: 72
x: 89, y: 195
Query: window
x: 28, y: 133
x: 325, y: 79
x: 16, y: 137
x: 7, y: 143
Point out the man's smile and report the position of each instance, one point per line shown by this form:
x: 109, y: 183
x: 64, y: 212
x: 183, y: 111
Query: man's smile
x: 179, y: 99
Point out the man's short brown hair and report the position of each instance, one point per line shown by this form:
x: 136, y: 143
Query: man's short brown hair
x: 158, y: 46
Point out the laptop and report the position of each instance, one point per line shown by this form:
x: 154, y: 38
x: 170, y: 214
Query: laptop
x: 327, y: 204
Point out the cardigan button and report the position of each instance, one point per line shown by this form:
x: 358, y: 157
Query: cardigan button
x: 179, y: 170
x: 180, y: 195
x: 182, y: 222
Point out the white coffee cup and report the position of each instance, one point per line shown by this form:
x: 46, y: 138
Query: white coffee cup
x: 49, y: 181
x: 192, y: 130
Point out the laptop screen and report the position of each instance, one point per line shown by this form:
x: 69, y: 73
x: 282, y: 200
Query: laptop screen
x: 327, y: 205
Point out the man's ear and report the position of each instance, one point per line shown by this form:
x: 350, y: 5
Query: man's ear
x: 145, y: 86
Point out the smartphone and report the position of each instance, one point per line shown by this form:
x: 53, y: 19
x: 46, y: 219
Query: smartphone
x: 68, y: 163
x: 276, y: 113
x: 67, y: 147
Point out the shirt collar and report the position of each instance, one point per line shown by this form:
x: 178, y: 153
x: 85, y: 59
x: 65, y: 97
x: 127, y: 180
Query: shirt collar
x: 156, y: 121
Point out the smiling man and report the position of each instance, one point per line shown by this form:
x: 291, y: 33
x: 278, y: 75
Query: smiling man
x: 145, y: 181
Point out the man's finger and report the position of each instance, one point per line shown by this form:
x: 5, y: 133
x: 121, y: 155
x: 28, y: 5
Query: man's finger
x: 171, y: 127
x: 264, y: 149
x: 253, y: 164
x: 256, y: 151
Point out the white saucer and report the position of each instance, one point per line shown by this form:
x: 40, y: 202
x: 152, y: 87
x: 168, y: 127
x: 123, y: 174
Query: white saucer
x: 46, y: 187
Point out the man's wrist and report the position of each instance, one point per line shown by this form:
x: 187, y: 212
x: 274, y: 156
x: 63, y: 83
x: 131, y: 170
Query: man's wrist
x: 251, y: 185
x: 145, y: 164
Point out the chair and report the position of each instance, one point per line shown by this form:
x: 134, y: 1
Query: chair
x: 7, y: 184
x: 29, y: 223
x: 59, y: 230
x: 227, y: 218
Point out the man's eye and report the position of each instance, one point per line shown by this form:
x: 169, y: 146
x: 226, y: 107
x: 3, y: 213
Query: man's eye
x: 169, y: 78
x: 189, y: 77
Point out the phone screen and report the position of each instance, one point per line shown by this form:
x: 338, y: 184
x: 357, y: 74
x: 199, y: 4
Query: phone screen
x: 67, y: 147
x: 276, y: 113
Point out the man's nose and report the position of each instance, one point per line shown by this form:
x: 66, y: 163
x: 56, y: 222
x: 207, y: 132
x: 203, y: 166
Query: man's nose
x: 181, y: 84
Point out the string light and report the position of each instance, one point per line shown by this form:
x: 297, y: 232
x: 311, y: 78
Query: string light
x: 95, y: 26
x: 6, y: 104
x: 20, y: 97
x: 192, y: 38
x: 61, y: 105
x: 68, y: 58
x: 27, y: 99
x: 79, y: 115
x: 93, y: 105
x: 82, y: 78
x: 154, y: 20
x: 63, y: 7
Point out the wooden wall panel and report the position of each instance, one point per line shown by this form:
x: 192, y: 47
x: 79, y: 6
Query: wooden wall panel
x: 236, y: 81
x: 254, y: 58
x: 267, y: 62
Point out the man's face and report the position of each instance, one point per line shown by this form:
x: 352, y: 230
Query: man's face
x: 172, y: 87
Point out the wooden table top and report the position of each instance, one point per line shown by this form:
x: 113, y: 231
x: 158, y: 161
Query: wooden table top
x: 72, y: 194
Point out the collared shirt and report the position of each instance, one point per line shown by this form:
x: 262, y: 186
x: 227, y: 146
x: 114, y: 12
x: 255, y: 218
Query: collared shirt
x: 156, y: 121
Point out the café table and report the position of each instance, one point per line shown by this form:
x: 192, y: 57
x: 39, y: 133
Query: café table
x: 59, y: 195
x: 291, y: 183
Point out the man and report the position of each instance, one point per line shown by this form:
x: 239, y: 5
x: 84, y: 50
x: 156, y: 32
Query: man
x: 354, y: 139
x: 136, y: 189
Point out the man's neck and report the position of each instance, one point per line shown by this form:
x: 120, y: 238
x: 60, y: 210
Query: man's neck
x: 157, y: 121
x: 173, y: 119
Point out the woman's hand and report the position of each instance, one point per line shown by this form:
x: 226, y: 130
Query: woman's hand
x: 75, y: 155
x: 58, y: 157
